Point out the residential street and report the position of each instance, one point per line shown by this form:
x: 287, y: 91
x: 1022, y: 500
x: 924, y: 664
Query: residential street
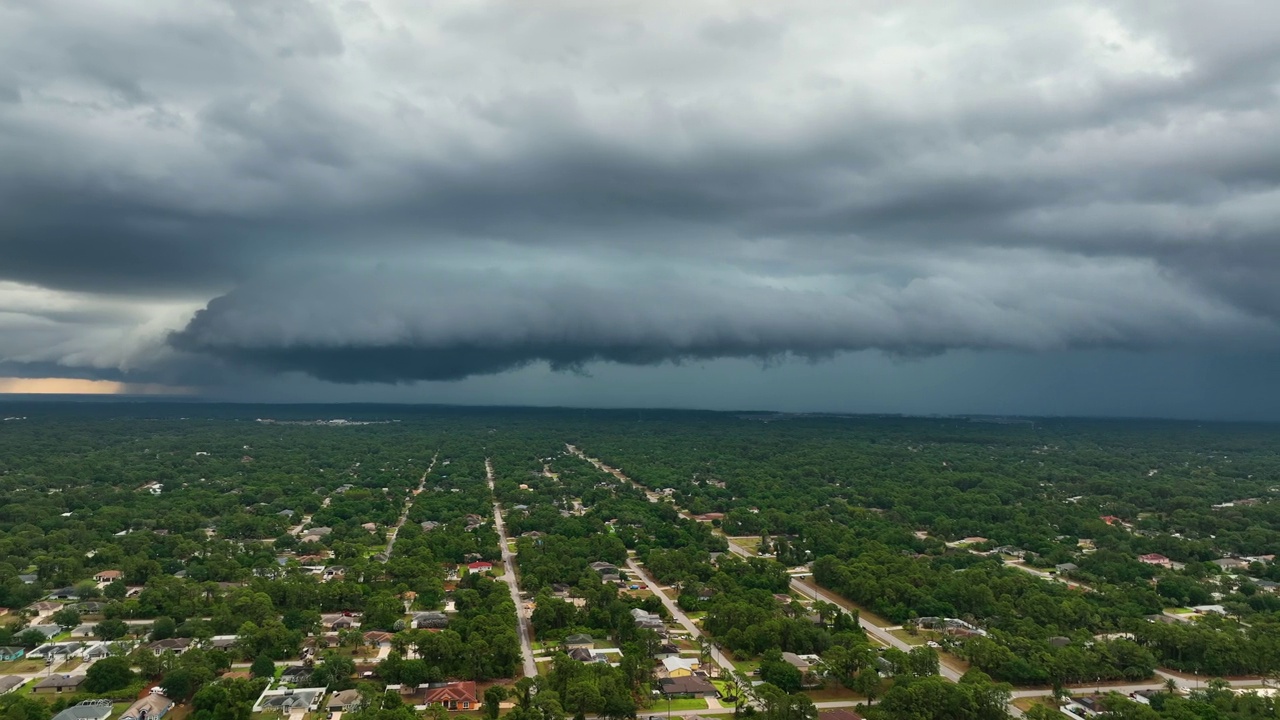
x: 391, y: 540
x: 509, y: 575
x: 881, y: 634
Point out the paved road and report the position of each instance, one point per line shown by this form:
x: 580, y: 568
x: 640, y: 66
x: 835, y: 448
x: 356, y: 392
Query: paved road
x: 685, y: 621
x: 812, y: 591
x: 509, y: 574
x: 395, y: 531
x: 883, y: 635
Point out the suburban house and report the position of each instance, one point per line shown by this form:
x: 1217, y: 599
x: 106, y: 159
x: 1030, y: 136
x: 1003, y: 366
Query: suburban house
x: 586, y: 655
x: 284, y: 700
x: 453, y: 696
x: 604, y: 568
x: 66, y: 593
x: 678, y: 667
x: 430, y: 619
x: 151, y: 707
x: 344, y: 701
x: 97, y: 651
x: 295, y: 674
x: 177, y: 646
x: 56, y: 684
x: 1230, y: 563
x: 9, y: 683
x: 11, y: 653
x: 797, y: 662
x: 1156, y: 559
x: 1066, y: 567
x: 378, y: 638
x: 222, y: 642
x: 666, y: 650
x: 87, y: 710
x: 49, y: 650
x: 645, y: 619
x: 107, y: 576
x: 480, y: 566
x: 691, y: 686
x: 574, y: 642
x: 49, y: 631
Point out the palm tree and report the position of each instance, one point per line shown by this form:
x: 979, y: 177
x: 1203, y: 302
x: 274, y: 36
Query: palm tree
x: 1171, y: 686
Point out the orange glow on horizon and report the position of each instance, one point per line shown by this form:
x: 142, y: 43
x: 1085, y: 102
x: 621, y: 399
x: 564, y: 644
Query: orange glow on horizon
x: 79, y: 386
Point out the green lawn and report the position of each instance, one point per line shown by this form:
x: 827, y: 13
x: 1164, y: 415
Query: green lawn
x: 19, y: 667
x: 680, y: 704
x: 903, y: 635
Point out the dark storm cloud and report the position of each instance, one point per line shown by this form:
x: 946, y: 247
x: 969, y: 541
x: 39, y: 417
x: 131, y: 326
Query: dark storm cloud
x: 396, y: 326
x: 686, y: 182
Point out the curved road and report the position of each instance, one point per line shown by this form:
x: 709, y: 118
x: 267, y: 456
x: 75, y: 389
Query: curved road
x: 880, y: 633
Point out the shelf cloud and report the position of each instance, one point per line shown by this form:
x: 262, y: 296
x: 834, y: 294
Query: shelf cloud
x: 202, y: 192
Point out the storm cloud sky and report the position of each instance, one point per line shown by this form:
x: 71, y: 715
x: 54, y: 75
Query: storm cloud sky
x: 725, y: 204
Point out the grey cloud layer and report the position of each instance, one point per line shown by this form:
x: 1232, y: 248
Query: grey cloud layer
x: 394, y: 326
x: 1027, y: 176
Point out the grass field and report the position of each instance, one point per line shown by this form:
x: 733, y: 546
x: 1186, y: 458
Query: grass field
x: 19, y: 667
x: 833, y: 691
x: 908, y: 638
x: 660, y: 705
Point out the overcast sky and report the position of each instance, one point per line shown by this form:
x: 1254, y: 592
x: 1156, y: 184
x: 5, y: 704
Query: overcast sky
x: 881, y: 206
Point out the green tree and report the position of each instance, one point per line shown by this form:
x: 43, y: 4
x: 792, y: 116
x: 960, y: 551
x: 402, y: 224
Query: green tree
x: 263, y: 667
x: 180, y: 683
x: 115, y: 590
x: 335, y: 672
x: 493, y: 697
x: 107, y: 674
x: 67, y: 618
x: 163, y: 628
x: 111, y: 629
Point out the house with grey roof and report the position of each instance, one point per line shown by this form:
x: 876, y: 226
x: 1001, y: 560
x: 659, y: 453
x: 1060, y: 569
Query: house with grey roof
x: 87, y: 710
x: 288, y: 699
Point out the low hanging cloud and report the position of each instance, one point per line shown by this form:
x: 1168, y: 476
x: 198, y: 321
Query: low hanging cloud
x: 755, y: 180
x: 399, y: 326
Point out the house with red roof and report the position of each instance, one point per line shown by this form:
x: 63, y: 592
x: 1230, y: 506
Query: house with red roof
x: 480, y: 566
x: 453, y: 696
x: 1156, y: 559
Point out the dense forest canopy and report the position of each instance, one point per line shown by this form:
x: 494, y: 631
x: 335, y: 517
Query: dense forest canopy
x: 1057, y: 541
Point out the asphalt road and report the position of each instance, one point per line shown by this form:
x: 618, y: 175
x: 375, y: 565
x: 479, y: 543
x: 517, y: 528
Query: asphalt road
x: 395, y: 531
x: 509, y: 575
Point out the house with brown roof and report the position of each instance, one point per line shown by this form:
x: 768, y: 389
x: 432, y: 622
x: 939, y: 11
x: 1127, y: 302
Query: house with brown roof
x: 177, y: 646
x: 344, y: 701
x: 58, y: 684
x: 691, y: 686
x: 378, y: 637
x: 453, y: 696
x: 106, y: 576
